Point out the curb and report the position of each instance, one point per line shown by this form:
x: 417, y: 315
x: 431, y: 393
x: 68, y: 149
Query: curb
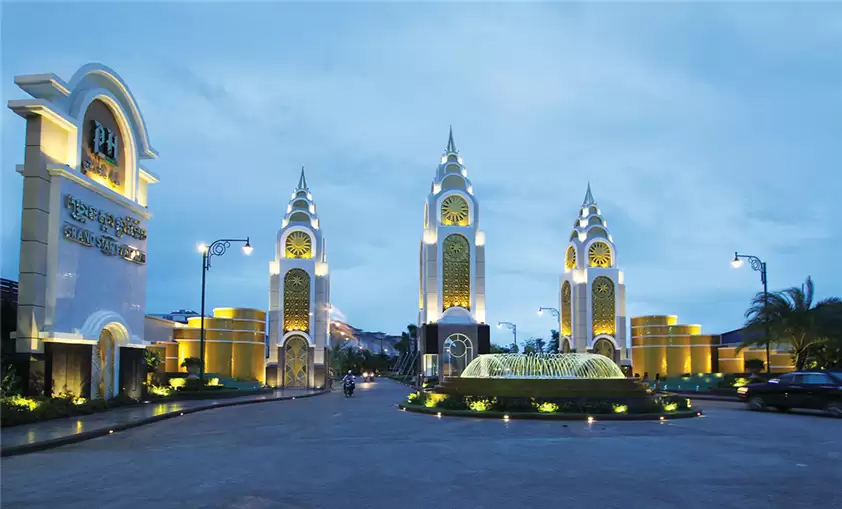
x: 18, y: 450
x: 709, y: 397
x: 685, y: 414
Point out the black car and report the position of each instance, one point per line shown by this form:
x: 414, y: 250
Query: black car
x: 818, y: 390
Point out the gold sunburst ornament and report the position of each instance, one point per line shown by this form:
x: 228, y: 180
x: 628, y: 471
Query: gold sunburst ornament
x: 299, y: 245
x: 599, y: 255
x: 454, y: 211
x: 570, y: 259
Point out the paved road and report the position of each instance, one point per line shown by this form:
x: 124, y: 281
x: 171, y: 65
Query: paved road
x: 362, y: 452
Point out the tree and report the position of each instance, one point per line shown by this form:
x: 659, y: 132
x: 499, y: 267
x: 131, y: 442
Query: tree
x: 412, y: 332
x: 403, y: 344
x: 533, y: 345
x: 553, y: 346
x: 513, y: 348
x: 794, y: 321
x: 499, y: 349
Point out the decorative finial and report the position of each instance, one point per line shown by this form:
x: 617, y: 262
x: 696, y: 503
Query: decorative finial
x: 302, y: 182
x: 451, y: 147
x: 589, y: 197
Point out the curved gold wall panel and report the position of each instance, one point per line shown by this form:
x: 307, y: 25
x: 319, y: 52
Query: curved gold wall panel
x: 654, y: 320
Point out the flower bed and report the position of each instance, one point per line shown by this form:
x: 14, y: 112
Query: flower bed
x: 649, y: 407
x: 16, y: 410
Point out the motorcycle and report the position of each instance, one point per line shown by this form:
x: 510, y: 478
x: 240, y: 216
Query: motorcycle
x: 348, y: 388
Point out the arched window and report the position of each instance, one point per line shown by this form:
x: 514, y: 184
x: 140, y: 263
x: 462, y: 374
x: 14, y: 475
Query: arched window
x: 297, y: 301
x: 456, y: 272
x: 599, y: 255
x: 566, y: 322
x: 454, y: 211
x: 602, y: 306
x: 298, y: 245
x: 458, y: 353
x: 570, y: 258
x: 299, y: 217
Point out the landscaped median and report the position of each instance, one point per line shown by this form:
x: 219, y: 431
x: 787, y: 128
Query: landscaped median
x: 578, y: 409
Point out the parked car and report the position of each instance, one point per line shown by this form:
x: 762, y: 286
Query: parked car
x: 818, y: 390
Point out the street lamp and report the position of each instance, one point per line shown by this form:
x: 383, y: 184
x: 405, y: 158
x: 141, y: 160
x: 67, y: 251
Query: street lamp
x: 760, y: 266
x: 511, y: 326
x: 217, y: 248
x: 554, y: 311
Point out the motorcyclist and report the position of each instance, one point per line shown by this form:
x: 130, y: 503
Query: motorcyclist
x: 348, y: 383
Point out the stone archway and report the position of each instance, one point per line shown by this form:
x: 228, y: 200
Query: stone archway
x: 296, y: 365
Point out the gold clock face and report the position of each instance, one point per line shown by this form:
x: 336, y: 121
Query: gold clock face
x: 604, y: 347
x: 603, y: 287
x: 599, y: 255
x: 299, y: 245
x: 454, y: 211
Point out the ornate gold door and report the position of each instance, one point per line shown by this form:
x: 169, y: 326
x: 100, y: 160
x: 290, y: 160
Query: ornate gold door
x: 295, y: 362
x: 102, y: 372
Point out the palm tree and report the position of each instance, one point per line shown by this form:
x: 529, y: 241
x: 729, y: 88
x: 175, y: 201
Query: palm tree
x: 794, y: 321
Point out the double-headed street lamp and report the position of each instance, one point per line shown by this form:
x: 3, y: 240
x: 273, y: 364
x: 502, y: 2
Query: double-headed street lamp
x: 554, y: 311
x: 511, y: 326
x: 217, y: 248
x: 759, y: 266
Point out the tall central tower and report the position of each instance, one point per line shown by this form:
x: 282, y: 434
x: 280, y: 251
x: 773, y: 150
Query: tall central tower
x: 451, y: 298
x: 592, y: 294
x: 299, y: 297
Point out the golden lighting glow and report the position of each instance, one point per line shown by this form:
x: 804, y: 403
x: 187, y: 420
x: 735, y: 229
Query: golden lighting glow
x: 603, y: 306
x: 590, y: 420
x: 566, y: 309
x: 201, y: 247
x: 430, y: 237
x: 456, y: 272
x: 736, y: 263
x: 321, y: 269
x: 480, y: 239
x: 599, y: 255
x: 580, y: 276
x: 570, y: 259
x: 274, y: 268
x: 454, y: 211
x: 298, y: 245
x: 297, y: 301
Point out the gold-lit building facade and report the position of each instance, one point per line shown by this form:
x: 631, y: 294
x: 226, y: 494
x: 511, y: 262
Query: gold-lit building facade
x: 451, y: 296
x: 235, y: 341
x: 299, y: 297
x: 661, y: 346
x: 592, y: 293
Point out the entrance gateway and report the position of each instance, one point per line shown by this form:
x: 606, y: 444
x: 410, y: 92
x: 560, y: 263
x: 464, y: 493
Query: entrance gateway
x: 82, y: 294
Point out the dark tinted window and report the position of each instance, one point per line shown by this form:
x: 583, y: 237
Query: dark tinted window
x: 786, y: 379
x: 816, y: 379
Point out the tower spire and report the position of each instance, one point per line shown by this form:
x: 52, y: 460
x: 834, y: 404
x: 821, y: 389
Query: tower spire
x: 302, y: 182
x: 589, y: 197
x: 451, y: 146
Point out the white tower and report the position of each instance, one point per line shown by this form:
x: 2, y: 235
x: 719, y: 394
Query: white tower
x: 452, y: 267
x: 592, y: 296
x: 299, y: 297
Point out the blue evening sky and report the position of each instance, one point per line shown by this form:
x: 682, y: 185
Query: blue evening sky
x: 704, y: 129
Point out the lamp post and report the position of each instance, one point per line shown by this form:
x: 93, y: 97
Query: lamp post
x: 553, y: 311
x: 511, y: 326
x: 217, y: 248
x: 760, y: 266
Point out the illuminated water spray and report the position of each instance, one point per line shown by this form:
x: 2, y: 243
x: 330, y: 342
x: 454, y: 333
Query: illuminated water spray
x: 559, y: 365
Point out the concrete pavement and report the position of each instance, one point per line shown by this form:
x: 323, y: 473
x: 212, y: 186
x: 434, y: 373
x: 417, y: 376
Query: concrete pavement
x: 361, y: 452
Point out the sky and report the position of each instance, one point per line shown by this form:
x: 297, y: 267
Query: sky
x: 703, y: 129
